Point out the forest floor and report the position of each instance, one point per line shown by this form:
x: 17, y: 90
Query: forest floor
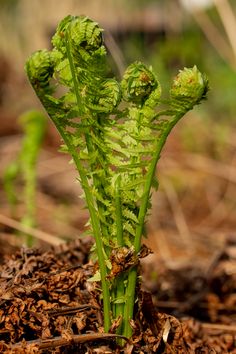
x: 187, y: 295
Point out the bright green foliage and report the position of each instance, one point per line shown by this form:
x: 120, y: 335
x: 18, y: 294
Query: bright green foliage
x: 33, y: 124
x: 188, y: 89
x: 115, y: 136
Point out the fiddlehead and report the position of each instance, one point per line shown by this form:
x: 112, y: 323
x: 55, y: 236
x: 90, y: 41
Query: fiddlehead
x: 140, y: 85
x: 189, y: 88
x: 83, y: 38
x: 40, y: 69
x: 85, y: 35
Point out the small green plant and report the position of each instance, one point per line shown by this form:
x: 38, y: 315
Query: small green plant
x: 115, y: 137
x: 24, y: 167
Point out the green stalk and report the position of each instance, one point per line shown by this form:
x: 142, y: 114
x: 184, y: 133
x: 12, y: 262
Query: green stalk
x: 132, y: 277
x: 119, y: 281
x: 95, y: 226
x: 88, y: 139
x: 90, y: 202
x: 119, y: 224
x: 29, y: 193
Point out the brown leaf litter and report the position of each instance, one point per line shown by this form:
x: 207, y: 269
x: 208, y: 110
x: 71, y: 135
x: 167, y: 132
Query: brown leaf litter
x: 48, y: 305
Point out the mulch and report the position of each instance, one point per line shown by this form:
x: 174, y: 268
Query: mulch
x: 49, y: 305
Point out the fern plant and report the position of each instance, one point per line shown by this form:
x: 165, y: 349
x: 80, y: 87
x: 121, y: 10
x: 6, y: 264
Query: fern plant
x: 115, y: 135
x: 34, y: 126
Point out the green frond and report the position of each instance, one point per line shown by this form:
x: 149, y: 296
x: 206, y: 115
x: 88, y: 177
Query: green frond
x: 110, y: 95
x: 59, y: 38
x: 131, y: 185
x: 115, y: 146
x: 129, y: 196
x: 115, y: 160
x: 101, y: 198
x: 129, y: 215
x: 84, y: 155
x: 140, y: 150
x: 103, y: 221
x: 129, y: 228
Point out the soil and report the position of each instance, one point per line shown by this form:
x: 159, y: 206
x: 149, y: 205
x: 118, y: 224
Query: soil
x: 48, y: 305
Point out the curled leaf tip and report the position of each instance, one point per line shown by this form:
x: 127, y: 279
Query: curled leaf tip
x: 138, y: 83
x: 40, y: 68
x: 190, y: 84
x: 85, y: 35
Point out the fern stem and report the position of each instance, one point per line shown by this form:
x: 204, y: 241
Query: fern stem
x: 149, y: 179
x: 95, y: 226
x: 29, y: 194
x: 119, y: 223
x: 88, y: 140
x: 132, y: 276
x: 89, y: 198
x: 119, y: 281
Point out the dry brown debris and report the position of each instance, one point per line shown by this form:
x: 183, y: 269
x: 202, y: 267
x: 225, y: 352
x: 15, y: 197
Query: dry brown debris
x: 49, y: 306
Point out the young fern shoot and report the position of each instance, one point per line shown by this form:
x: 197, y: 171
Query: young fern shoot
x: 34, y: 126
x: 115, y: 147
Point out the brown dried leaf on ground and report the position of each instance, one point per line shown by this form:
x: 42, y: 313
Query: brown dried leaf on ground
x: 48, y: 306
x: 33, y: 284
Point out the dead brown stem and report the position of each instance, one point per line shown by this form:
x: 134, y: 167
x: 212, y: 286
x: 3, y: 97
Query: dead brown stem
x: 73, y: 339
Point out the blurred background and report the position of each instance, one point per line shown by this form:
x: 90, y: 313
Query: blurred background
x: 194, y: 209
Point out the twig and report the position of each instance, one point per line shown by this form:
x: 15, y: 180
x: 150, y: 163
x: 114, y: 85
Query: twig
x: 40, y: 235
x: 74, y: 339
x: 71, y: 310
